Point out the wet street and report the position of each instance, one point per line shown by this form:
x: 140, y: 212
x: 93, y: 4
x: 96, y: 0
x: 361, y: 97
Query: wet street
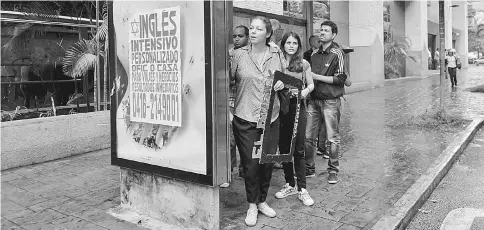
x: 458, y: 201
x: 381, y: 160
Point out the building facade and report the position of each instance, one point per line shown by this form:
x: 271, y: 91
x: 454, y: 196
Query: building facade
x: 367, y: 26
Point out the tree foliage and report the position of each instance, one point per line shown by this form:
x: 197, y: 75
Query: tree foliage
x: 476, y: 39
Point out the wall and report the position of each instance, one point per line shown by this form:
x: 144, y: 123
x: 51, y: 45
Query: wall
x: 459, y: 20
x: 433, y: 11
x: 416, y: 31
x: 339, y: 15
x: 366, y: 37
x: 32, y: 141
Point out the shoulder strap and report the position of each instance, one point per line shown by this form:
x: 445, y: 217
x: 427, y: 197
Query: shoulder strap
x: 282, y: 60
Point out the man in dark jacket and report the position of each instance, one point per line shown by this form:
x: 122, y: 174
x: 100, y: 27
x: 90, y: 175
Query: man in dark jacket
x: 314, y: 43
x: 327, y: 64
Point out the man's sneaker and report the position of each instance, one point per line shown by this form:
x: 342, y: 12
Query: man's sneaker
x: 310, y: 175
x: 286, y: 191
x: 224, y: 185
x: 251, y: 218
x: 266, y: 210
x: 304, y: 196
x: 325, y: 155
x: 332, y: 178
x: 320, y: 152
x: 241, y: 174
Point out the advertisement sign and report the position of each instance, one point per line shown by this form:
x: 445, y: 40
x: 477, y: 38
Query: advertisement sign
x: 161, y: 112
x: 154, y: 67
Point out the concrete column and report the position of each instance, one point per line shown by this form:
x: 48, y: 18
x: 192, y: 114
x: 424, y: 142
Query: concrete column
x: 156, y: 202
x: 366, y: 37
x: 448, y: 25
x: 459, y: 21
x: 339, y: 14
x: 416, y: 30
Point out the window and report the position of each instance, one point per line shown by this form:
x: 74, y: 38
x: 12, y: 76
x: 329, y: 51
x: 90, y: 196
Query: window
x: 387, y: 29
x: 294, y: 8
x: 35, y: 48
x: 321, y: 13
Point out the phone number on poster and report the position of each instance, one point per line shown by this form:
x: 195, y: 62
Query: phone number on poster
x: 159, y: 107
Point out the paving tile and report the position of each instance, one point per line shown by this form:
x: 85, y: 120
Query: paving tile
x: 72, y: 207
x: 359, y: 217
x: 70, y: 222
x: 42, y: 217
x: 16, y: 214
x: 359, y: 191
x: 322, y: 223
x: 348, y: 227
x: 8, y: 189
x: 28, y: 171
x: 43, y: 226
x: 50, y: 203
x: 116, y: 224
x: 25, y: 183
x: 9, y: 176
x: 23, y: 197
x: 9, y: 206
x: 9, y: 225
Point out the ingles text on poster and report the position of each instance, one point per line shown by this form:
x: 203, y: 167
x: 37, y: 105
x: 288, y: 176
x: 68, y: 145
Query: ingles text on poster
x: 154, y: 67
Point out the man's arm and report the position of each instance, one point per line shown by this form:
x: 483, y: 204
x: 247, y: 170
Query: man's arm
x: 322, y: 78
x: 339, y: 77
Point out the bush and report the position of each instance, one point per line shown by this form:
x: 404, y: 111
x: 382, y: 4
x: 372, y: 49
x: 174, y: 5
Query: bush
x: 435, y: 121
x: 476, y: 89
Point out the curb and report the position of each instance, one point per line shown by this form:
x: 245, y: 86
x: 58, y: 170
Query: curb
x: 402, y: 212
x: 396, y: 81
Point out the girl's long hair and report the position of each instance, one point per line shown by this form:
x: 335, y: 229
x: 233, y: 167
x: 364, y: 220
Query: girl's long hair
x: 295, y: 65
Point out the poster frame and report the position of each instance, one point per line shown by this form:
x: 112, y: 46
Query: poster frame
x: 266, y: 145
x: 207, y: 179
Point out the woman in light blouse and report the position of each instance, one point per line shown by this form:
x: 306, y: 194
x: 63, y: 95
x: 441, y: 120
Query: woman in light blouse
x: 251, y: 68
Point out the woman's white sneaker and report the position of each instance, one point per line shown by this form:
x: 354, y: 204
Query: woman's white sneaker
x: 304, y: 196
x: 286, y: 191
x: 266, y: 210
x: 251, y: 218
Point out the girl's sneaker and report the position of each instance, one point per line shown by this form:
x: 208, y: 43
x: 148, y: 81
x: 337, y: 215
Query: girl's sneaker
x: 304, y: 196
x: 286, y: 191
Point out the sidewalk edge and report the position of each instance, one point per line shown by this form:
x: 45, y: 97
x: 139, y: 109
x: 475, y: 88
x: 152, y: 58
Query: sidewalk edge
x: 402, y: 212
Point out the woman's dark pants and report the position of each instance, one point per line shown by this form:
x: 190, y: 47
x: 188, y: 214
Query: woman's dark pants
x: 257, y: 176
x: 299, y: 163
x: 453, y: 77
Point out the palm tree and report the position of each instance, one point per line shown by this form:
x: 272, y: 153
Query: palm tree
x: 79, y: 59
x: 395, y: 51
x: 83, y: 57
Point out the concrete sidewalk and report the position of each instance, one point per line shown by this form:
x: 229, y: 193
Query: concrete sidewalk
x: 380, y: 162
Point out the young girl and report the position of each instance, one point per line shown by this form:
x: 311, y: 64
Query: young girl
x: 298, y: 68
x: 251, y: 69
